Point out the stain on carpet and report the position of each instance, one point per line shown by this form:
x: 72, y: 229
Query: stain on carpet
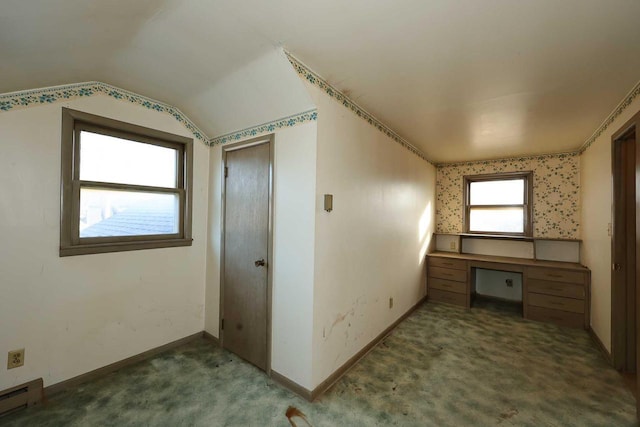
x: 293, y: 412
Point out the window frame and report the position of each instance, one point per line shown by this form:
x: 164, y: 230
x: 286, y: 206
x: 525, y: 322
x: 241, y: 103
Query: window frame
x: 73, y: 122
x: 504, y: 176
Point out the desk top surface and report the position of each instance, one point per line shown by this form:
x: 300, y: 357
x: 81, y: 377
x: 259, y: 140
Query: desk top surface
x: 509, y: 260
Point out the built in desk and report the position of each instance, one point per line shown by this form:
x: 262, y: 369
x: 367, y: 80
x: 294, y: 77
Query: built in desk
x: 552, y: 291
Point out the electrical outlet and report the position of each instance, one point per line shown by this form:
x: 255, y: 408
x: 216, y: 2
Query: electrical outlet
x: 15, y: 359
x: 390, y: 302
x: 452, y: 245
x: 509, y: 283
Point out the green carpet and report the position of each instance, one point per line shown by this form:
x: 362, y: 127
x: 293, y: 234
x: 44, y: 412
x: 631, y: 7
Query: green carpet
x: 443, y: 366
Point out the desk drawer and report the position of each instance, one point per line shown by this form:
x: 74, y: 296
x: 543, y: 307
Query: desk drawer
x: 448, y: 274
x: 556, y: 275
x: 448, y: 297
x: 559, y: 289
x: 559, y: 317
x: 457, y: 264
x: 448, y: 285
x: 556, y: 303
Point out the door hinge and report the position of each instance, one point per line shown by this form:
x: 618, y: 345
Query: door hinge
x: 222, y: 325
x: 226, y: 171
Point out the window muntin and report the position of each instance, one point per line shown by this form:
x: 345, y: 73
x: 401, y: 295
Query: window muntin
x: 124, y: 187
x: 499, y: 204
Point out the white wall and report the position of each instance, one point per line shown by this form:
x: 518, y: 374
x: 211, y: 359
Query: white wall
x: 493, y: 283
x: 506, y: 248
x: 263, y: 90
x: 371, y: 247
x: 293, y: 274
x: 596, y: 188
x: 293, y: 257
x: 79, y: 313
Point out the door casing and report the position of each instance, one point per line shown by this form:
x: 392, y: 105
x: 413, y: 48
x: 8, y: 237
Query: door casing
x: 623, y: 284
x: 618, y: 350
x: 267, y: 139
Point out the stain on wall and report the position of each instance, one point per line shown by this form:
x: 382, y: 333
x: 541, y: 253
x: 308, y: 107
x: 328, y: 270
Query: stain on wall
x: 556, y: 192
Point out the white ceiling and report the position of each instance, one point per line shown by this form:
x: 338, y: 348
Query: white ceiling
x: 461, y: 80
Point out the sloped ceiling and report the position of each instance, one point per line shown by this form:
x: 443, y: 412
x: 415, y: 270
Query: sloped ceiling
x: 460, y: 80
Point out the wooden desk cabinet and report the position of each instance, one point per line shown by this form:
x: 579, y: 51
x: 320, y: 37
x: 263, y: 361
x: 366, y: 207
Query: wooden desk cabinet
x: 557, y: 296
x: 555, y: 292
x: 448, y: 281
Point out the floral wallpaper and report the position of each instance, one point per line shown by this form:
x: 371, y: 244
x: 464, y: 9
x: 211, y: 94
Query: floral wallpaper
x: 556, y: 192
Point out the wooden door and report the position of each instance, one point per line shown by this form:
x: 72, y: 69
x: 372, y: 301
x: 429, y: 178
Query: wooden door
x: 636, y: 135
x: 246, y: 258
x: 624, y: 252
x: 625, y: 302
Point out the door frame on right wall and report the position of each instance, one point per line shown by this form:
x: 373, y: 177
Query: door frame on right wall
x: 625, y: 240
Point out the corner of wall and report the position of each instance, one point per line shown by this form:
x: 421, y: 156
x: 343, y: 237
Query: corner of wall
x: 214, y: 215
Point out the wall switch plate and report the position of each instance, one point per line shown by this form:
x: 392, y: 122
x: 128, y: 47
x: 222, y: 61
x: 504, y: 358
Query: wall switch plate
x: 390, y: 302
x: 452, y: 245
x: 15, y: 358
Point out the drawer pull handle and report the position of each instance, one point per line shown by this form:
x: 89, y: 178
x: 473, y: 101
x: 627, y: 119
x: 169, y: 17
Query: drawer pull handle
x: 556, y: 303
x: 559, y: 276
x: 447, y: 263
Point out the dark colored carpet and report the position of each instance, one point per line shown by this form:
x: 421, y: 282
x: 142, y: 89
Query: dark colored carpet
x: 443, y: 366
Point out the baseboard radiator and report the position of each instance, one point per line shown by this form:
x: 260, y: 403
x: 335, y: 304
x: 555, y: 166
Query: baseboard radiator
x: 20, y: 397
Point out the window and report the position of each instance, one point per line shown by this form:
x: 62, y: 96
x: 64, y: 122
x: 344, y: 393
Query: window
x: 124, y: 187
x: 499, y: 204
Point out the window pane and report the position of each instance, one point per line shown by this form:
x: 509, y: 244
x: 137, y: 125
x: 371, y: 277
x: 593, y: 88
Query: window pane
x: 504, y: 192
x: 105, y: 213
x: 110, y: 159
x: 500, y: 220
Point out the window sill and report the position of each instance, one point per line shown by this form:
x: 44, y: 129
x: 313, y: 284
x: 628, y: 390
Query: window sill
x: 497, y: 237
x: 98, y: 248
x: 506, y: 237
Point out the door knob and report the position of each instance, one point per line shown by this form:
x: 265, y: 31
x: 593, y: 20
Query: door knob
x: 260, y: 263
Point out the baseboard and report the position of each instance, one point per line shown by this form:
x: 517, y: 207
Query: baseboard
x: 100, y: 372
x: 600, y: 346
x: 341, y: 371
x: 291, y: 385
x: 207, y: 336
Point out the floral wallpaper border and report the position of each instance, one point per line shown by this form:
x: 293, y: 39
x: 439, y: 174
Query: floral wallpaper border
x: 28, y: 98
x: 296, y: 119
x: 49, y: 95
x: 635, y: 92
x: 334, y: 93
x: 502, y: 159
x: 556, y: 192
